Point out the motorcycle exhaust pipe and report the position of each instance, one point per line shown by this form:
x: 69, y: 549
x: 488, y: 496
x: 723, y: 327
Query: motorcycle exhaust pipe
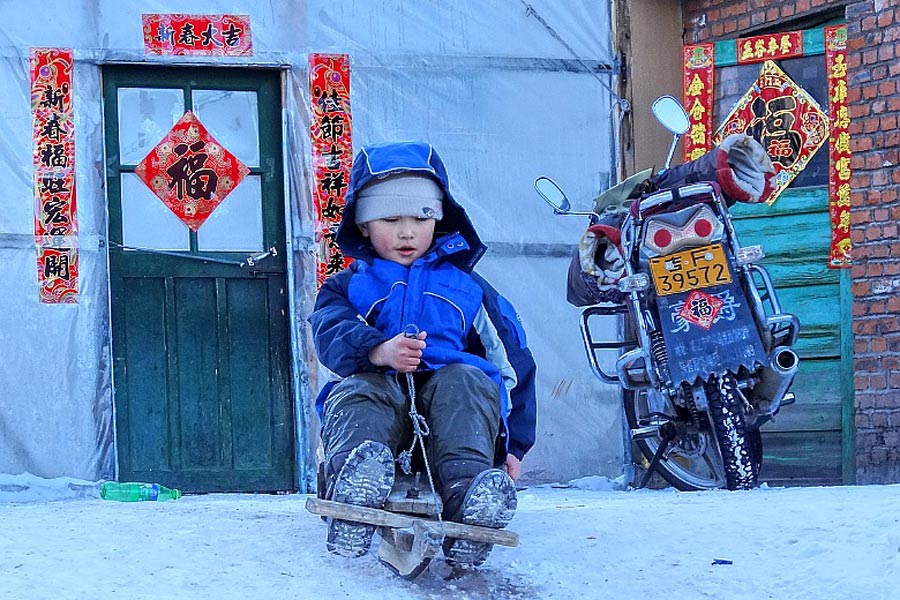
x: 785, y: 361
x: 775, y: 379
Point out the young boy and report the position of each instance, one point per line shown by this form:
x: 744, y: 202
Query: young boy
x: 410, y: 303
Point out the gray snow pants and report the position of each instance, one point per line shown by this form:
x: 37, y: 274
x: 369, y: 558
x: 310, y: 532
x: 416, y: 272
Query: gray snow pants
x: 459, y: 402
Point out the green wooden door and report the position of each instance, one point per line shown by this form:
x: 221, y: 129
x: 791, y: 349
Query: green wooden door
x: 200, y: 343
x: 809, y: 442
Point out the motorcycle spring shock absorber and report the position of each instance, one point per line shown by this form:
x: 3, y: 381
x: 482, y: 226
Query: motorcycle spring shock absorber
x: 658, y: 350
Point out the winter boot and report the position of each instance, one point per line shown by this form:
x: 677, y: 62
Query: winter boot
x: 489, y: 502
x: 365, y: 479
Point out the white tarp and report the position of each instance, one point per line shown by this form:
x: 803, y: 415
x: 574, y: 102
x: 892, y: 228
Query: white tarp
x: 493, y: 85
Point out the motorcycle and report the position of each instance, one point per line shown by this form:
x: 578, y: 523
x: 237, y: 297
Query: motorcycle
x: 708, y: 357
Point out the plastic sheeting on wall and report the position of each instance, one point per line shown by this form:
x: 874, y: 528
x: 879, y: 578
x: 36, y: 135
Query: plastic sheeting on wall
x: 494, y: 86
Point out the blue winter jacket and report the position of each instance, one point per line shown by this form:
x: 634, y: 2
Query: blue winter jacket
x: 467, y: 320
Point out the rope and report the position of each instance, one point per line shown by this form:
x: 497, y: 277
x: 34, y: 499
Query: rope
x: 420, y: 432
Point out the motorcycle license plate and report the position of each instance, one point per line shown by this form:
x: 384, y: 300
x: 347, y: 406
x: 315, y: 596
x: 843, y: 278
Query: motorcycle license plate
x: 690, y: 270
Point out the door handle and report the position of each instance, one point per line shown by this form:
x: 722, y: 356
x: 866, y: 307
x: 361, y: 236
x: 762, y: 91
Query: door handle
x: 252, y: 260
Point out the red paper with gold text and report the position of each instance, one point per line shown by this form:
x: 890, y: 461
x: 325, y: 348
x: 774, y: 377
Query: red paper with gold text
x: 53, y: 139
x: 330, y: 133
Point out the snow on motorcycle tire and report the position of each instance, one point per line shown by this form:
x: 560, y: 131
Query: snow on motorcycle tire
x: 741, y: 470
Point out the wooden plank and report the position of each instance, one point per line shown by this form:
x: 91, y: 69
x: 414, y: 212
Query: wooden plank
x: 197, y: 340
x: 787, y: 271
x: 421, y: 502
x: 818, y: 308
x: 804, y: 234
x: 383, y: 518
x: 814, y: 41
x: 409, y: 553
x: 145, y: 382
x: 818, y: 399
x: 796, y: 458
x: 224, y: 373
x: 248, y: 356
x: 792, y: 201
x: 726, y: 53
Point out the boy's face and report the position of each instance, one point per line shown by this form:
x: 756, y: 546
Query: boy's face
x: 400, y: 239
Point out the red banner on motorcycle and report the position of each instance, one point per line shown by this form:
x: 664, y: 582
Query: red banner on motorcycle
x: 53, y: 138
x: 839, y: 140
x: 332, y: 154
x: 697, y: 85
x: 782, y: 117
x: 770, y: 47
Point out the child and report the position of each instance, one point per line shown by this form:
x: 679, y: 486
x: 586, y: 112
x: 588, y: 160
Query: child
x: 474, y: 376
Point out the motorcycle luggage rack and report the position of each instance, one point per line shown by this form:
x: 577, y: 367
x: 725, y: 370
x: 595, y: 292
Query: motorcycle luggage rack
x: 654, y: 201
x: 592, y: 346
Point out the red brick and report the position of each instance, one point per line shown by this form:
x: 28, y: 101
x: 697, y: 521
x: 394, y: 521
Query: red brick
x: 871, y: 161
x: 877, y: 381
x: 890, y: 363
x: 865, y: 400
x: 860, y: 144
x: 854, y: 44
x: 861, y: 327
x: 863, y: 420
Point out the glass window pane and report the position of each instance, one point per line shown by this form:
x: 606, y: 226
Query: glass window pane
x: 236, y: 224
x: 232, y: 118
x: 147, y: 222
x: 145, y: 116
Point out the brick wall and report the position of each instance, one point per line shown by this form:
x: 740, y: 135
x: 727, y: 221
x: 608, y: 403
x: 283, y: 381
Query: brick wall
x: 873, y: 57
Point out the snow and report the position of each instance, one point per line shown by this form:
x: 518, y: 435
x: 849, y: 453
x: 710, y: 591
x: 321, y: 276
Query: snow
x: 588, y: 539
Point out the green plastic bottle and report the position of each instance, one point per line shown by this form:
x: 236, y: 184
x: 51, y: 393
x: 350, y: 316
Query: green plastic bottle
x: 136, y: 492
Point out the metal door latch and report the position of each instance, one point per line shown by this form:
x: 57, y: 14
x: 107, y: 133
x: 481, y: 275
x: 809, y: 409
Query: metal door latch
x: 252, y: 260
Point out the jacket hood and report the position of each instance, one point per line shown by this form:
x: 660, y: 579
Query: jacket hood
x: 383, y: 160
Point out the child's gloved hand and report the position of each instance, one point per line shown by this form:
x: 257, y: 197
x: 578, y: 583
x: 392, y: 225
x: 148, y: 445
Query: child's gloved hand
x: 400, y: 352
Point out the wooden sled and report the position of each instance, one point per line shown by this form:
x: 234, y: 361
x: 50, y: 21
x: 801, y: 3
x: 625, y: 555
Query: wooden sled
x: 408, y: 526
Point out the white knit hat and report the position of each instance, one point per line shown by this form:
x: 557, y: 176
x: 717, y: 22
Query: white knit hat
x: 403, y: 195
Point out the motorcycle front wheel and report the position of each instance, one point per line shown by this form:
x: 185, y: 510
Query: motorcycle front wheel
x: 692, y: 461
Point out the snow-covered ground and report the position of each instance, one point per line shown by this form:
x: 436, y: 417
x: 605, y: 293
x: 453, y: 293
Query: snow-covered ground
x: 59, y: 540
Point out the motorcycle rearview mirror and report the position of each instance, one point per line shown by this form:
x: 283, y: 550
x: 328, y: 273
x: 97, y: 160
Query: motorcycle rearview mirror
x: 671, y: 114
x: 555, y: 197
x: 552, y: 194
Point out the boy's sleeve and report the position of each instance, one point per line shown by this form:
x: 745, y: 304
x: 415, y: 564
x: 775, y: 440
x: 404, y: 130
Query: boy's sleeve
x: 341, y: 335
x: 522, y: 418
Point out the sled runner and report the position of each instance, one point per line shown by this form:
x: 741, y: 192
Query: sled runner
x: 409, y: 526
